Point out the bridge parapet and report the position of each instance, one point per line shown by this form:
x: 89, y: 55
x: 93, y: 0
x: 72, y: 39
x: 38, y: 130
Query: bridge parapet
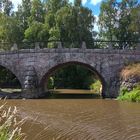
x: 71, y: 50
x: 97, y: 44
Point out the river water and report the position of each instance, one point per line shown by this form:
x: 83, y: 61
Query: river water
x: 79, y: 119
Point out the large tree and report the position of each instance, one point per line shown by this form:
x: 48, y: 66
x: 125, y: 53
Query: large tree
x: 115, y: 20
x: 6, y: 6
x: 69, y: 22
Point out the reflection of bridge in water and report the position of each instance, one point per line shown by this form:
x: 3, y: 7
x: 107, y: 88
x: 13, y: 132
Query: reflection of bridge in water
x: 33, y: 66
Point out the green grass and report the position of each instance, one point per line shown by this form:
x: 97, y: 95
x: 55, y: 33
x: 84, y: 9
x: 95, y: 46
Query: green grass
x: 10, y: 128
x: 133, y: 96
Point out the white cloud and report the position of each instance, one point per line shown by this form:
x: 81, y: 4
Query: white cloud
x: 95, y: 2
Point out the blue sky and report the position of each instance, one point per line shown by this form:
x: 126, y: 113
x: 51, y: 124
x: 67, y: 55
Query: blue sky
x: 94, y: 5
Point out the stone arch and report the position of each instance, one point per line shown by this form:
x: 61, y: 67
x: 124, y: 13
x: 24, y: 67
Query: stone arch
x: 13, y: 72
x: 88, y: 66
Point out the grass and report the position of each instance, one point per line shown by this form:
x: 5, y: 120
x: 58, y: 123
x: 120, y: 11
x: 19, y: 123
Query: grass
x: 133, y: 96
x: 10, y: 128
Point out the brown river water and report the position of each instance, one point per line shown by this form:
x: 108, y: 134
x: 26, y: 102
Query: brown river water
x: 79, y: 119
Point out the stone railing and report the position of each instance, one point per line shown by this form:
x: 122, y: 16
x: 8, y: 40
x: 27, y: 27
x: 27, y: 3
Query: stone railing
x: 57, y: 46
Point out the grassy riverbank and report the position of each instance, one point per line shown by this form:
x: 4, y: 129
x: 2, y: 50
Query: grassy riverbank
x: 10, y: 128
x: 130, y: 89
x: 133, y: 96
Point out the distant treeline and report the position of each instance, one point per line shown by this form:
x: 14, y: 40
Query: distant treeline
x: 37, y: 20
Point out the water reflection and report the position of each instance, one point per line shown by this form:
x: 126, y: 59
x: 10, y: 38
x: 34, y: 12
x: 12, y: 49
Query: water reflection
x: 73, y: 119
x: 72, y: 94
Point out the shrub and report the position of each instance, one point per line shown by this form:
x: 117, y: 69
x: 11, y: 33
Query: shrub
x: 96, y: 86
x: 133, y: 95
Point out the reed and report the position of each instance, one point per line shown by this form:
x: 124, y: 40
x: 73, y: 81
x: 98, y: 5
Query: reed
x: 10, y: 127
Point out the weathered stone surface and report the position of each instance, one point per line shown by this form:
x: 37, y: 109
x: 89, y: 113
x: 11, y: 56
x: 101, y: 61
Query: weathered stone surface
x: 32, y: 67
x: 130, y: 82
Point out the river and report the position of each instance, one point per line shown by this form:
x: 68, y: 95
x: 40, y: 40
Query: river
x: 79, y: 119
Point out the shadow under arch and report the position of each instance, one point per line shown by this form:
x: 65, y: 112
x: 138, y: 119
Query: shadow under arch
x: 61, y: 65
x: 11, y: 73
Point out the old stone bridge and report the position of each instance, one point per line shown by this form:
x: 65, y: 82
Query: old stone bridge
x: 33, y: 66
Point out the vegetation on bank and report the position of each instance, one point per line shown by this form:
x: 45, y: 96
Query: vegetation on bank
x: 10, y: 127
x: 133, y: 96
x: 126, y: 93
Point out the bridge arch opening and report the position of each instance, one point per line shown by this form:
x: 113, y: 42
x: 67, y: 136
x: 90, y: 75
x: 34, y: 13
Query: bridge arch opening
x: 9, y: 82
x: 64, y: 77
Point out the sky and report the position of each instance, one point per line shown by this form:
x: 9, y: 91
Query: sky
x: 94, y: 5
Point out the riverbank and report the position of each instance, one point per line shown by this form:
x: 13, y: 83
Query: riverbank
x: 130, y: 83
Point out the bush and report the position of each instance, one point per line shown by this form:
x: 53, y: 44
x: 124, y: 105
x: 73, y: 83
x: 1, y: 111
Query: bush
x: 133, y: 96
x: 96, y: 86
x: 10, y: 128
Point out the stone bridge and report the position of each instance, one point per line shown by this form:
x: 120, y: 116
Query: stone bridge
x: 32, y: 67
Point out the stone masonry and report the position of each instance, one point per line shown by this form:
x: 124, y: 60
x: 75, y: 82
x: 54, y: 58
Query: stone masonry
x: 33, y: 66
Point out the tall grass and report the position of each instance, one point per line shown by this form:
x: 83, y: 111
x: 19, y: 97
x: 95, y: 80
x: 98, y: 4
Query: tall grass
x: 10, y: 127
x: 131, y: 70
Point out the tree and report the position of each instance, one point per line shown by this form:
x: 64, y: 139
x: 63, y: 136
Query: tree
x: 37, y: 32
x: 6, y: 6
x: 69, y: 22
x: 37, y: 12
x: 115, y: 20
x: 9, y: 29
x: 23, y: 13
x: 135, y: 24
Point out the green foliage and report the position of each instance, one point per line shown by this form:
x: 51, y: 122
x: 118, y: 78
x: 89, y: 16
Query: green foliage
x: 96, y: 86
x: 37, y: 32
x: 6, y: 6
x: 133, y: 95
x: 135, y: 15
x: 116, y: 18
x: 23, y: 13
x: 37, y: 12
x: 72, y: 77
x: 9, y: 29
x: 50, y: 83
